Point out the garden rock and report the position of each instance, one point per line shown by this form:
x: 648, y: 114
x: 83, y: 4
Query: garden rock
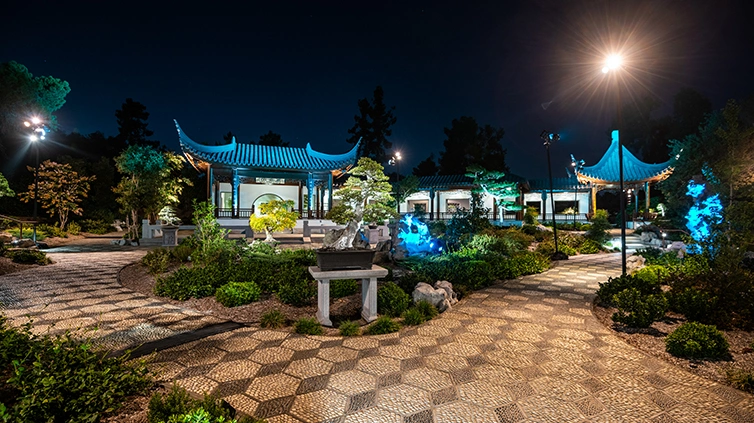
x: 400, y: 252
x: 5, y: 237
x: 381, y: 257
x: 24, y: 243
x: 360, y: 241
x: 332, y: 236
x: 384, y: 246
x: 679, y: 247
x: 448, y: 288
x: 436, y: 297
x: 634, y: 263
x: 543, y: 228
x: 648, y: 237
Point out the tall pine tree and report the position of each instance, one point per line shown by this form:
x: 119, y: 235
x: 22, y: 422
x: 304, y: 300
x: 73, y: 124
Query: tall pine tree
x: 467, y: 144
x: 132, y: 124
x: 372, y: 126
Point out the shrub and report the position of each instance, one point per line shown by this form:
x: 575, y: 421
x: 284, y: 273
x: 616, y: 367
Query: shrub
x: 525, y: 263
x: 696, y: 340
x: 51, y: 230
x: 613, y: 286
x: 262, y: 247
x: 308, y: 326
x: 485, y: 243
x: 340, y: 288
x: 298, y: 293
x: 531, y: 215
x: 184, y: 249
x: 392, y: 300
x: 383, y: 325
x: 62, y: 379
x: 177, y: 406
x: 638, y: 311
x: 696, y: 305
x: 194, y: 282
x: 590, y: 246
x: 600, y: 225
x: 272, y: 319
x: 95, y: 226
x: 654, y: 274
x: 740, y: 379
x: 74, y: 228
x: 349, y: 329
x: 157, y: 260
x: 413, y: 317
x: 28, y: 257
x: 427, y: 310
x: 234, y: 294
x: 547, y: 248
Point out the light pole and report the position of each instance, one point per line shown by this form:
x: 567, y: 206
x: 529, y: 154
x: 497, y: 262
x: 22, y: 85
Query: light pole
x: 613, y: 63
x: 549, y: 137
x: 577, y: 166
x: 396, y: 161
x: 37, y: 134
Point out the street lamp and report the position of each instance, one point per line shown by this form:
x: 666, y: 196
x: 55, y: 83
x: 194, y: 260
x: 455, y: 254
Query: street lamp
x: 613, y: 63
x: 37, y: 134
x: 577, y: 166
x: 396, y: 161
x: 549, y: 137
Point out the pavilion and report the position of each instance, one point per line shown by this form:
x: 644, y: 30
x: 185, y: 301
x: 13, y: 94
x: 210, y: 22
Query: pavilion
x: 242, y: 176
x: 636, y: 174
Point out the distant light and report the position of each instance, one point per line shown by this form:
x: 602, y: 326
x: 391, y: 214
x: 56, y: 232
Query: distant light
x: 605, y: 69
x: 664, y: 234
x: 573, y: 164
x: 35, y: 120
x: 398, y: 155
x: 33, y: 137
x: 613, y: 62
x: 27, y: 124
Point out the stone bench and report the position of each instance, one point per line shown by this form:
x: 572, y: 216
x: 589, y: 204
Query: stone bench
x: 368, y: 290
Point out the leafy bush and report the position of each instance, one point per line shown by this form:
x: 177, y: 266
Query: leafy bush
x: 740, y: 379
x: 613, y: 286
x: 530, y: 217
x: 696, y: 340
x: 234, y: 294
x: 184, y: 249
x: 654, y: 274
x: 299, y: 293
x: 696, y: 305
x: 272, y: 319
x: 157, y: 260
x: 307, y: 326
x: 525, y: 263
x: 382, y: 326
x: 639, y: 311
x: 28, y: 257
x: 413, y: 317
x: 475, y: 274
x: 600, y: 225
x: 194, y: 282
x: 349, y: 329
x: 485, y: 243
x: 547, y: 248
x: 427, y: 310
x: 210, y: 236
x: 28, y: 232
x: 261, y: 247
x: 340, y: 288
x: 52, y: 231
x: 590, y: 246
x: 178, y: 407
x: 62, y: 379
x: 392, y: 300
x: 74, y: 228
x: 95, y: 226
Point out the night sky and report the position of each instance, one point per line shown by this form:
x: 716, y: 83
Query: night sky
x: 300, y: 68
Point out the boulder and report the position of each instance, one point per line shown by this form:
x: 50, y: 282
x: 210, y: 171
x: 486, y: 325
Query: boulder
x: 360, y: 241
x: 543, y: 228
x: 648, y: 237
x: 448, y: 288
x: 384, y: 246
x: 436, y: 297
x: 400, y: 252
x: 24, y: 243
x: 679, y: 247
x: 634, y: 263
x: 5, y: 238
x: 382, y: 257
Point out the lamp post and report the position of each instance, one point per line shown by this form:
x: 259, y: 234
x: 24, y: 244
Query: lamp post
x: 577, y: 166
x: 613, y: 63
x: 396, y: 161
x: 549, y: 137
x: 37, y: 134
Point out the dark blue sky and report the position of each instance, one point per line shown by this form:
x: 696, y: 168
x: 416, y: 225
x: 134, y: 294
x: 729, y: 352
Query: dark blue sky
x: 300, y: 68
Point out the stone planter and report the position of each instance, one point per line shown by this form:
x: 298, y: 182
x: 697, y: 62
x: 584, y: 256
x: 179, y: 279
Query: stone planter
x: 344, y: 259
x: 169, y: 236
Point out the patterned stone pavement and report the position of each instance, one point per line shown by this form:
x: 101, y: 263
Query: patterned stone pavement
x: 81, y: 291
x: 527, y: 350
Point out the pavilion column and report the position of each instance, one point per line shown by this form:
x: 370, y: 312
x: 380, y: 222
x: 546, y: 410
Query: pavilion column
x: 438, y: 206
x: 310, y: 193
x: 594, y: 200
x: 210, y: 180
x: 317, y: 203
x: 216, y: 187
x: 329, y: 191
x: 520, y: 213
x: 494, y: 209
x: 431, y: 204
x: 646, y: 199
x: 234, y: 194
x: 300, y: 200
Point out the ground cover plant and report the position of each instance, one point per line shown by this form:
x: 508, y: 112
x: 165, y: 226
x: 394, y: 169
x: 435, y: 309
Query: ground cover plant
x: 61, y: 379
x: 308, y: 326
x: 28, y: 257
x: 234, y: 294
x: 382, y: 326
x: 177, y: 406
x: 697, y: 340
x: 272, y: 319
x: 349, y: 328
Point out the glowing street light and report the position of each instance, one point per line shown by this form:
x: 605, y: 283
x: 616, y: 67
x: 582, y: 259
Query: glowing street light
x: 549, y: 137
x: 37, y: 134
x: 396, y: 161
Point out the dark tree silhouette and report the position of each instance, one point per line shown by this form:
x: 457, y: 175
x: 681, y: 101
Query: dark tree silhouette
x: 469, y: 144
x: 372, y: 126
x: 427, y: 167
x: 273, y: 139
x: 132, y: 124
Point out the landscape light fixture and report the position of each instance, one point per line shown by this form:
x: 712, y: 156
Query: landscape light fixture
x: 549, y: 137
x: 37, y: 134
x: 577, y: 166
x: 396, y: 161
x: 614, y: 62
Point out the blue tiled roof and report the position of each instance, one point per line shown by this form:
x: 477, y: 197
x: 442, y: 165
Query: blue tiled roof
x: 634, y: 170
x: 265, y: 156
x: 558, y: 184
x: 445, y: 181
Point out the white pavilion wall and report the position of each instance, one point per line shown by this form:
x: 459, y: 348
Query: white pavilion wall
x: 250, y: 192
x: 545, y: 204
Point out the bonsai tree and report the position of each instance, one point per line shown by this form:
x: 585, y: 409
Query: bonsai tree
x: 274, y: 216
x: 364, y: 198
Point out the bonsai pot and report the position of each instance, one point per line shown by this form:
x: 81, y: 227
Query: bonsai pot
x: 355, y: 259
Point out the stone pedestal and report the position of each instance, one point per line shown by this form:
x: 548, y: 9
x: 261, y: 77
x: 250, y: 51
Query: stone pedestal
x: 368, y: 290
x: 169, y: 236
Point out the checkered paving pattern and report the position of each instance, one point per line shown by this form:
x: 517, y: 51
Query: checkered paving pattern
x: 527, y: 350
x: 81, y: 292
